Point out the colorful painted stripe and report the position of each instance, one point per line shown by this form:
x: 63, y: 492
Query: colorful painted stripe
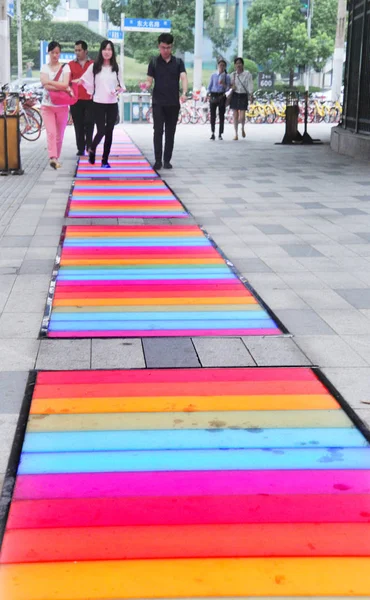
x: 289, y: 516
x: 124, y: 198
x: 121, y: 167
x: 150, y: 281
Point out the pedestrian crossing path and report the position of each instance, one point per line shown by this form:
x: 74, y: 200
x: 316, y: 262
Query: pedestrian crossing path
x: 124, y: 199
x: 138, y: 281
x: 237, y: 483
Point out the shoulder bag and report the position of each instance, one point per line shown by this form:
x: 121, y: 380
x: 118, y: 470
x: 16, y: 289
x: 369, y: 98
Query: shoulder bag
x: 61, y: 97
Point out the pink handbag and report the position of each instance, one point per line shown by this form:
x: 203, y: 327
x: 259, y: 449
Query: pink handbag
x: 61, y: 97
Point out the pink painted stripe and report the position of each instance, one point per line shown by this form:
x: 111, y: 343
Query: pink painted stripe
x: 160, y: 333
x: 105, y: 485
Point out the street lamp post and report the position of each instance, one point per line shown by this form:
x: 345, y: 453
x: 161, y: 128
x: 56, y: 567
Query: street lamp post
x: 4, y: 44
x: 240, y: 27
x: 198, y: 45
x: 19, y: 40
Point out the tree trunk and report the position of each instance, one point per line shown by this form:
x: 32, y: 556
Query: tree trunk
x: 339, y: 51
x: 291, y: 78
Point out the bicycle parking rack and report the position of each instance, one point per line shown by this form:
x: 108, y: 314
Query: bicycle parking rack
x: 10, y: 154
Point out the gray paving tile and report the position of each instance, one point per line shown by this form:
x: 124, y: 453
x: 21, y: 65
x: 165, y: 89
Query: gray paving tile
x: 37, y: 267
x: 364, y: 415
x: 317, y: 299
x: 350, y: 211
x: 359, y: 343
x: 275, y: 351
x: 221, y: 352
x: 300, y: 189
x: 64, y: 354
x: 310, y: 205
x: 117, y: 354
x: 169, y: 353
x: 346, y: 322
x: 8, y: 424
x: 352, y: 383
x: 269, y: 195
x: 14, y: 241
x: 329, y: 351
x: 253, y: 265
x: 300, y: 250
x: 26, y: 301
x: 359, y: 298
x: 12, y: 390
x: 303, y: 322
x: 18, y: 355
x: 273, y: 229
x: 19, y: 325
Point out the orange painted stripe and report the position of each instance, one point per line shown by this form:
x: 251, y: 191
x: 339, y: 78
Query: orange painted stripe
x: 186, y: 578
x: 138, y: 404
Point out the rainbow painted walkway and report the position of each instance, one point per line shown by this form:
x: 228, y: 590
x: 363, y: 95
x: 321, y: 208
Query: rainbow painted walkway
x: 124, y: 199
x: 250, y: 483
x: 135, y: 281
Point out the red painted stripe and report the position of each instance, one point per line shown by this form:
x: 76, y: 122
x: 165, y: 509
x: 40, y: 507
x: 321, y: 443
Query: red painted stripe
x: 88, y: 229
x: 222, y: 288
x: 192, y: 483
x: 193, y: 541
x: 165, y: 333
x: 140, y: 251
x: 187, y: 510
x: 184, y: 388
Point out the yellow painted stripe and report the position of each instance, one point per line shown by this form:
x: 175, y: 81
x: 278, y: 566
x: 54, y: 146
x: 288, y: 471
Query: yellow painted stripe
x: 181, y: 403
x: 202, y: 420
x: 73, y: 301
x: 157, y: 308
x: 110, y: 580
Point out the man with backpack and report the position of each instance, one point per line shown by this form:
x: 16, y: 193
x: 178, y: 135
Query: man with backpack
x: 166, y: 70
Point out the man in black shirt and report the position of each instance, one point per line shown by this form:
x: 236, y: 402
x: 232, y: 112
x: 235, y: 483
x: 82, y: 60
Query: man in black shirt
x: 166, y: 70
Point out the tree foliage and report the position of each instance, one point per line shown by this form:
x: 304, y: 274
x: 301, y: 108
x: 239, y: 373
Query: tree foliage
x: 36, y: 25
x: 277, y: 37
x: 221, y: 38
x: 143, y: 45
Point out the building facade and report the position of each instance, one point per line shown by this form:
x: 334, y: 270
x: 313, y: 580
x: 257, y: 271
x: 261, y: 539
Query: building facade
x: 353, y: 134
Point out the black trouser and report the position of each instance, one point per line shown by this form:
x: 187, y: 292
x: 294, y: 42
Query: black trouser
x: 83, y: 121
x: 164, y: 117
x: 221, y: 105
x: 105, y: 116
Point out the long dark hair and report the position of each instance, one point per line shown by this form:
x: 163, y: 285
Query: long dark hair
x: 100, y: 60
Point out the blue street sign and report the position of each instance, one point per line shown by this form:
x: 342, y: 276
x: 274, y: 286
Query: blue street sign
x: 154, y: 25
x: 10, y: 8
x: 115, y: 34
x: 44, y: 58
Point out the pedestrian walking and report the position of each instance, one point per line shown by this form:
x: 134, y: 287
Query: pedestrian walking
x: 55, y: 77
x: 166, y: 71
x: 242, y: 86
x: 219, y: 84
x: 102, y: 81
x: 82, y: 111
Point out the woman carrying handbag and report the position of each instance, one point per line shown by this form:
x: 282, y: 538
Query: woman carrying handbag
x: 102, y: 82
x: 242, y: 86
x: 57, y: 90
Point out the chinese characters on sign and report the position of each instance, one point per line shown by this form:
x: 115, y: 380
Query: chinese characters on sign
x: 155, y: 25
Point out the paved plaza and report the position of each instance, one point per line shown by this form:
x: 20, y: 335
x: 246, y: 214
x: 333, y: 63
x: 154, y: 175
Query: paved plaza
x: 295, y: 222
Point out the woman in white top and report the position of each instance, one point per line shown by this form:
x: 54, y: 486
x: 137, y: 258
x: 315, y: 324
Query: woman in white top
x: 55, y: 117
x: 242, y: 85
x: 101, y: 80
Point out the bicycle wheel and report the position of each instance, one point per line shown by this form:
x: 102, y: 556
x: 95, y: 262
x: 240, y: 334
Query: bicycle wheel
x: 29, y: 127
x: 149, y: 115
x: 185, y: 115
x: 36, y: 114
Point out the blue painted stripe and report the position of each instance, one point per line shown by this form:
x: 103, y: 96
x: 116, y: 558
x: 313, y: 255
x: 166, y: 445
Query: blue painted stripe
x: 199, y: 460
x: 257, y: 315
x: 166, y: 325
x: 128, y: 277
x: 94, y: 441
x: 155, y: 271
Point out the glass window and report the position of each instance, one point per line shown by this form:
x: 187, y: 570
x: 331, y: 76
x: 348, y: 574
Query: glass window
x: 93, y: 15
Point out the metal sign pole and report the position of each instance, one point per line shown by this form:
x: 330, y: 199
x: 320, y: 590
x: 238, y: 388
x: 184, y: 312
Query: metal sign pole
x: 122, y: 61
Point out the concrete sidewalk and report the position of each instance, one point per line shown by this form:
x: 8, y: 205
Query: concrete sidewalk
x: 295, y: 221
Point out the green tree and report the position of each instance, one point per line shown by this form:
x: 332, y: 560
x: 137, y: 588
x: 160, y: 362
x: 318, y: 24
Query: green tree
x: 142, y: 46
x: 324, y: 19
x: 221, y: 38
x: 277, y: 38
x: 36, y: 24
